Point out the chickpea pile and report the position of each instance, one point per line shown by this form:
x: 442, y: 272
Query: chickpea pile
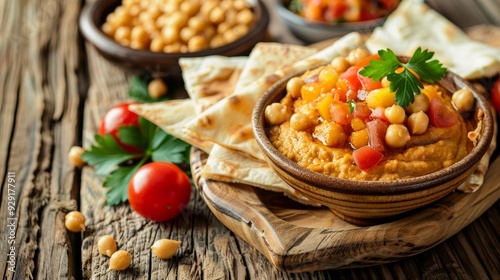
x: 340, y: 109
x: 174, y: 26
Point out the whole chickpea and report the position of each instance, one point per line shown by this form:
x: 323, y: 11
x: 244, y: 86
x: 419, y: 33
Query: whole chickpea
x: 276, y: 113
x: 157, y: 88
x: 418, y: 122
x: 120, y: 260
x: 293, y: 86
x: 178, y: 19
x: 186, y: 34
x: 421, y: 103
x: 397, y: 136
x: 217, y: 15
x: 240, y: 4
x: 75, y: 156
x: 217, y: 41
x: 122, y: 33
x: 165, y: 248
x: 197, y: 43
x: 463, y: 99
x: 170, y: 34
x: 385, y: 82
x: 356, y: 55
x: 300, y: 122
x: 108, y: 29
x: 190, y: 7
x: 240, y: 30
x: 395, y: 114
x: 157, y: 44
x: 74, y: 221
x: 340, y: 64
x: 207, y: 7
x: 106, y: 245
x: 139, y: 34
x: 173, y: 48
x: 197, y: 23
x: 245, y: 17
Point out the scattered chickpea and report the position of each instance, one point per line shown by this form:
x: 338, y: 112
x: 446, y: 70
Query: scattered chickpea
x: 293, y: 87
x: 397, y: 136
x: 385, y: 82
x: 74, y: 221
x: 395, y: 114
x: 120, y: 260
x: 75, y: 156
x: 197, y: 43
x: 356, y: 55
x: 463, y: 99
x: 340, y: 64
x: 245, y: 17
x: 217, y: 15
x: 157, y: 88
x: 165, y: 248
x: 421, y: 103
x: 276, y: 113
x: 418, y: 122
x: 106, y: 245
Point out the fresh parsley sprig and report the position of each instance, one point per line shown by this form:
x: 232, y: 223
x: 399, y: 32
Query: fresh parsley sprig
x: 404, y: 83
x: 111, y: 160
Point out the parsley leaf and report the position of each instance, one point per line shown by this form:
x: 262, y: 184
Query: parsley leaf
x: 352, y: 106
x: 405, y: 83
x: 111, y: 160
x: 106, y: 154
x: 139, y: 91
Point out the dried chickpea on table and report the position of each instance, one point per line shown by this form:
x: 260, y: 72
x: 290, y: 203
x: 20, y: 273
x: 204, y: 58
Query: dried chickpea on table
x: 173, y: 26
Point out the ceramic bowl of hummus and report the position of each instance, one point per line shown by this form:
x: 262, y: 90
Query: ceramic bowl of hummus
x: 359, y: 153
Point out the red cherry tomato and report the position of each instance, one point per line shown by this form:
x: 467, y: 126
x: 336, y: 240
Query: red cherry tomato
x: 159, y: 191
x: 440, y: 116
x: 367, y: 157
x: 495, y: 95
x: 116, y: 117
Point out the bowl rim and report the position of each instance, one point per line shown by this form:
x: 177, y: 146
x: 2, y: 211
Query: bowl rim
x: 362, y: 187
x: 292, y: 17
x: 90, y: 20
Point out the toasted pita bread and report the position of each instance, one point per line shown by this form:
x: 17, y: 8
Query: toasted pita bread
x: 413, y: 24
x: 235, y: 167
x: 171, y: 116
x: 228, y: 123
x: 210, y: 79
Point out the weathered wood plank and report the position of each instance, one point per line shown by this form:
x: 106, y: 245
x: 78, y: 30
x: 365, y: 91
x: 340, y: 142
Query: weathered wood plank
x: 40, y: 98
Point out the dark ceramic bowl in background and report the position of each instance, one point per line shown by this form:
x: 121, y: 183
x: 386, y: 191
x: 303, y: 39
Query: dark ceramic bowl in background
x: 316, y: 31
x: 371, y: 202
x: 94, y: 15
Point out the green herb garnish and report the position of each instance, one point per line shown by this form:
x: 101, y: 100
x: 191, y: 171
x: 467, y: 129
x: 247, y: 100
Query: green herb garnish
x: 404, y: 83
x: 352, y: 106
x: 111, y: 160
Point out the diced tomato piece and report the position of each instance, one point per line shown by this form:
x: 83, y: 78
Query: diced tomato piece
x: 368, y: 83
x: 366, y: 61
x: 367, y: 157
x: 335, y: 11
x: 351, y: 77
x: 376, y: 132
x: 341, y: 113
x: 440, y: 116
x: 339, y: 94
x: 362, y: 111
x: 379, y: 113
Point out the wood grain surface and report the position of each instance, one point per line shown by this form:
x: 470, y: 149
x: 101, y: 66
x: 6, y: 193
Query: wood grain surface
x: 54, y: 89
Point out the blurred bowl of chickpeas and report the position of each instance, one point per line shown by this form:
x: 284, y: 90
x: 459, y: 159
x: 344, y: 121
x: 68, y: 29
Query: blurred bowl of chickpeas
x: 154, y: 34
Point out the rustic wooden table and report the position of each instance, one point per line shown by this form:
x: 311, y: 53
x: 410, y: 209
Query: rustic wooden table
x: 54, y: 88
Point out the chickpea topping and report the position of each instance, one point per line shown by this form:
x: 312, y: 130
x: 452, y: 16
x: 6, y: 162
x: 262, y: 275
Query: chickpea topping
x: 190, y: 8
x: 395, y: 114
x: 187, y: 33
x: 397, y: 136
x: 463, y: 99
x: 157, y: 44
x: 178, y: 20
x: 276, y: 113
x: 421, y: 103
x: 217, y: 15
x: 356, y: 55
x: 197, y: 43
x: 418, y: 122
x: 245, y: 17
x: 157, y: 88
x: 293, y: 87
x: 340, y: 64
x: 74, y: 221
x: 106, y: 245
x: 120, y: 260
x: 385, y: 82
x: 217, y: 41
x: 75, y: 156
x: 170, y: 34
x: 300, y: 122
x: 165, y: 248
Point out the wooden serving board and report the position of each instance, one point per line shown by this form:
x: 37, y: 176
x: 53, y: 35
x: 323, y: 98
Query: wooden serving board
x: 298, y: 238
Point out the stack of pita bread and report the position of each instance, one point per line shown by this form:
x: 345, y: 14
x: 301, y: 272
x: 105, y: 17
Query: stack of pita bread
x: 223, y: 91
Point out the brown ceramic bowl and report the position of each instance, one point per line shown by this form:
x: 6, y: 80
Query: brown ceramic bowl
x: 94, y: 15
x: 371, y: 202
